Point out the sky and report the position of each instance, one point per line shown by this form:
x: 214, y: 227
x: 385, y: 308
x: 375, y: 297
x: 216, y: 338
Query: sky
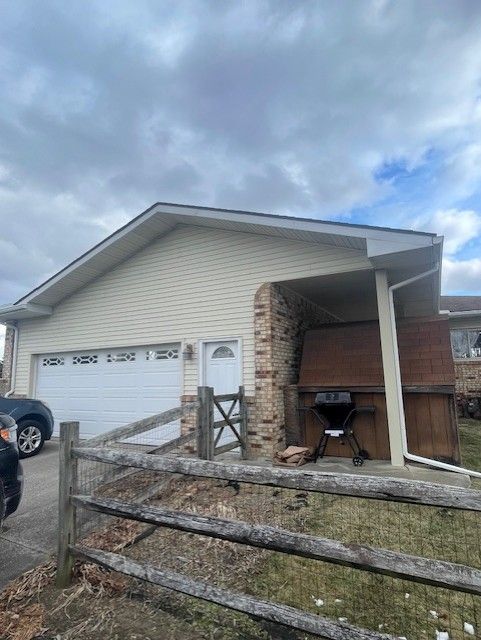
x: 365, y: 111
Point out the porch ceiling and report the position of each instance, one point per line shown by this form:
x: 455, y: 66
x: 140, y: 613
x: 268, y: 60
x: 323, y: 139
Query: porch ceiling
x: 349, y: 296
x: 352, y: 296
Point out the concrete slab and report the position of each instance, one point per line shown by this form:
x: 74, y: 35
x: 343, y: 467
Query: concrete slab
x: 29, y: 536
x: 372, y: 468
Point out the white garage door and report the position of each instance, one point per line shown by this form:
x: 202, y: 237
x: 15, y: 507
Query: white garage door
x: 104, y: 389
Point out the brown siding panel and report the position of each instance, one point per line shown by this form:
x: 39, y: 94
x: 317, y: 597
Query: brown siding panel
x: 349, y: 356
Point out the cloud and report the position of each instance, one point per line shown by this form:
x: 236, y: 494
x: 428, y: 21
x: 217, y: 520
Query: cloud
x: 285, y: 107
x: 462, y: 170
x: 459, y: 228
x: 461, y: 276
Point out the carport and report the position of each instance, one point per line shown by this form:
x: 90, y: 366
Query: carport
x: 373, y: 316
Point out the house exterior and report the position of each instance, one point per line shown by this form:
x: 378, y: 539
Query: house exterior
x: 464, y: 314
x: 184, y: 296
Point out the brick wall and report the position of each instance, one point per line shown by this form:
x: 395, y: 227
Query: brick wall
x: 468, y: 379
x: 6, y: 378
x: 281, y: 320
x: 188, y: 423
x: 349, y: 355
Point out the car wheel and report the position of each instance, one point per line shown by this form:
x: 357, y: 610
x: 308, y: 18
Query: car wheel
x: 30, y: 438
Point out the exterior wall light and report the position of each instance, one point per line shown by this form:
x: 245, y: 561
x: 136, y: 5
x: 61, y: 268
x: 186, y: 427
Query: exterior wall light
x: 188, y: 352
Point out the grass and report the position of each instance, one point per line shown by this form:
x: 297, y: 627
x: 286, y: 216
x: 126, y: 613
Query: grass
x: 470, y: 442
x: 374, y: 601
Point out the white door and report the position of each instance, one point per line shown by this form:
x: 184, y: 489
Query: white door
x: 222, y: 373
x: 107, y: 388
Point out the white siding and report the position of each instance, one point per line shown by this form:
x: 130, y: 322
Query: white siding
x: 193, y: 283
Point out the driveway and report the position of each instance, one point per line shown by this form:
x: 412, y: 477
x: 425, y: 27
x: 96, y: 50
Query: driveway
x: 30, y: 535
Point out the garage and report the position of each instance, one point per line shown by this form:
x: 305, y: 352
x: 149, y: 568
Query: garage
x: 104, y: 389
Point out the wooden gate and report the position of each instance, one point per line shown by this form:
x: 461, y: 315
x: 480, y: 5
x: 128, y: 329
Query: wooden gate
x: 234, y: 420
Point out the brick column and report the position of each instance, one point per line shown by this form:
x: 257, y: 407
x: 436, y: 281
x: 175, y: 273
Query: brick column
x: 281, y: 318
x: 6, y: 379
x: 188, y: 423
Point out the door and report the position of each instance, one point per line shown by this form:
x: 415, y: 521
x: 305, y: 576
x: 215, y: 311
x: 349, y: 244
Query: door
x: 221, y: 371
x: 108, y: 388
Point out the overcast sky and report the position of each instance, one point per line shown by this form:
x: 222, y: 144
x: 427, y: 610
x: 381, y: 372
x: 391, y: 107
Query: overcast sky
x: 362, y: 111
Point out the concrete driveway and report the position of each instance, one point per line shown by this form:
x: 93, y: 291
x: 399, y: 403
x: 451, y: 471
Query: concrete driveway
x: 29, y: 536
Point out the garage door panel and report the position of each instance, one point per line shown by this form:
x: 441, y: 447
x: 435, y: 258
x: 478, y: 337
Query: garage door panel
x: 114, y: 405
x: 87, y: 382
x: 104, y: 389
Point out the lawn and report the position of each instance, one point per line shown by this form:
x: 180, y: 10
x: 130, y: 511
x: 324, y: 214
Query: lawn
x: 470, y: 442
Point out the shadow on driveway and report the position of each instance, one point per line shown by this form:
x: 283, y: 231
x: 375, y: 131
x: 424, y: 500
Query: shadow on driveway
x: 29, y: 536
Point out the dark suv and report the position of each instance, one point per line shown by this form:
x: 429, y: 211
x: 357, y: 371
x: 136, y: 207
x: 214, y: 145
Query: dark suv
x: 34, y: 420
x: 11, y: 476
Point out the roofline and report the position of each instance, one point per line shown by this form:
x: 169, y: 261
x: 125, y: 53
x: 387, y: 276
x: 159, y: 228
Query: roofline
x: 463, y: 314
x: 276, y: 216
x: 267, y: 217
x: 30, y: 309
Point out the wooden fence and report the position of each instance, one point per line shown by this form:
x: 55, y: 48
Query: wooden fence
x: 439, y: 573
x: 234, y: 420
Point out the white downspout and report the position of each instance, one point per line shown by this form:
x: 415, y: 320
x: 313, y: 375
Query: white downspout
x: 14, y: 358
x: 411, y: 456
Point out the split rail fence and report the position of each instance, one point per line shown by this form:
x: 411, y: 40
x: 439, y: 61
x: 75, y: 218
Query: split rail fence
x: 439, y: 573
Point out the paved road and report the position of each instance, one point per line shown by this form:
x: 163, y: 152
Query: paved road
x: 29, y: 536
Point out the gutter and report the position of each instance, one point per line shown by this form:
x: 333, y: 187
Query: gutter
x: 463, y: 314
x: 14, y: 358
x: 411, y: 456
x: 9, y: 312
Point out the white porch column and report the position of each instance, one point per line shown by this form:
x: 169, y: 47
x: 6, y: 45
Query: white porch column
x: 390, y: 363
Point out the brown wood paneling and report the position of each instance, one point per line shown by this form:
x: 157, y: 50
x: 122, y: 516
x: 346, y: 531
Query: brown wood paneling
x: 371, y: 430
x: 429, y: 425
x: 349, y: 355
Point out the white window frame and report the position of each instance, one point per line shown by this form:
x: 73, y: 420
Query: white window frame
x: 469, y: 358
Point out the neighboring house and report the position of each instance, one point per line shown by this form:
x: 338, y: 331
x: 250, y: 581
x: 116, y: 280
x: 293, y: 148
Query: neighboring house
x: 183, y: 296
x: 465, y: 324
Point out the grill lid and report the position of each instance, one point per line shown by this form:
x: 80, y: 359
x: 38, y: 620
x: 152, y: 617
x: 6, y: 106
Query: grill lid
x: 333, y: 397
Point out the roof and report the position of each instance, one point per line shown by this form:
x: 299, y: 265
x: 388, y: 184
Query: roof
x: 461, y: 303
x: 161, y: 218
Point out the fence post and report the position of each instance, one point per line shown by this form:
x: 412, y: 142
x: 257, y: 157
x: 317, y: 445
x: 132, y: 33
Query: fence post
x: 69, y: 438
x: 243, y: 423
x: 205, y: 418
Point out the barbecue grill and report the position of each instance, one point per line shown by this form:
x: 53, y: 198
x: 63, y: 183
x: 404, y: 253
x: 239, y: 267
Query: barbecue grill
x: 335, y: 412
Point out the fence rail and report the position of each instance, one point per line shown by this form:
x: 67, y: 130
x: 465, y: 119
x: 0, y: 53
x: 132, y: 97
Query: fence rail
x: 399, y: 565
x: 141, y: 426
x: 439, y: 573
x: 270, y: 611
x: 377, y: 488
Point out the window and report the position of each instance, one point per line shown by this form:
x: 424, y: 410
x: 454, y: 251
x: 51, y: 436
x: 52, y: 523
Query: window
x: 125, y: 356
x: 85, y: 359
x: 223, y: 352
x: 466, y: 343
x: 162, y: 354
x: 53, y: 362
